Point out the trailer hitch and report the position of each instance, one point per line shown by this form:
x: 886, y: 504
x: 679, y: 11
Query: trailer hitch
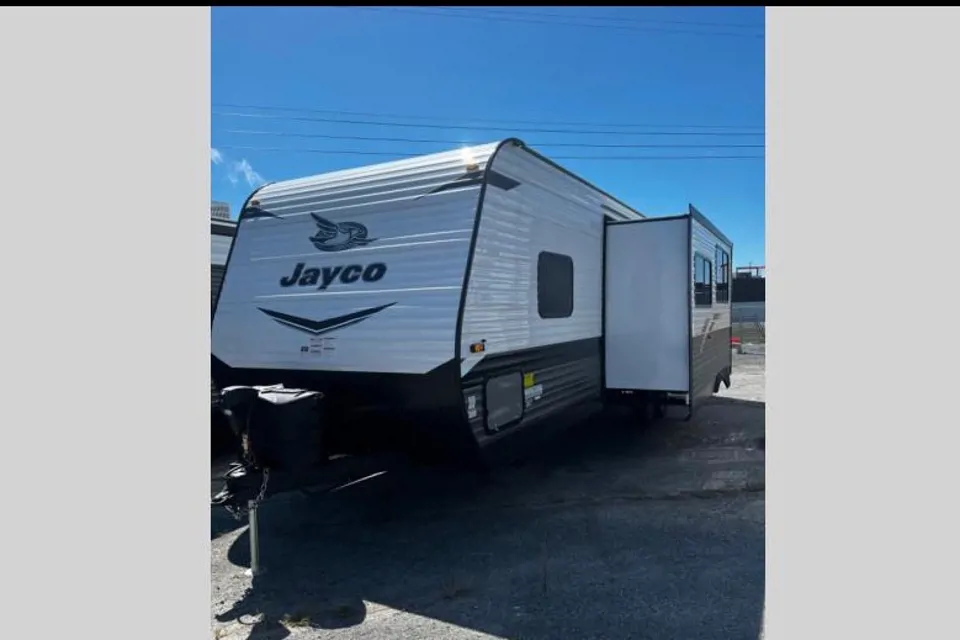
x: 245, y: 487
x: 280, y: 432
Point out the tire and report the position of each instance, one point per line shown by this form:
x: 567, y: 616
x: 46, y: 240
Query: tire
x: 659, y: 410
x: 645, y: 411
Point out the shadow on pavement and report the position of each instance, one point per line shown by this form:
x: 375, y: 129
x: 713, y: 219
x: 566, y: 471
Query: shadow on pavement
x: 606, y: 533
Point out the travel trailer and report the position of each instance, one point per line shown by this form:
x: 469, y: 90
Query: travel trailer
x: 445, y: 302
x: 667, y: 327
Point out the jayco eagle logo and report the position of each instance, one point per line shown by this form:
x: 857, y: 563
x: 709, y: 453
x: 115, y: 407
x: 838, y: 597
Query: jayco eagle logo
x: 334, y: 237
x: 331, y: 236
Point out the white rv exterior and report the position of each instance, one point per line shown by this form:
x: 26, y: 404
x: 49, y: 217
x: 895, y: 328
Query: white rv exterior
x: 417, y: 216
x: 667, y: 320
x: 462, y: 290
x: 534, y: 295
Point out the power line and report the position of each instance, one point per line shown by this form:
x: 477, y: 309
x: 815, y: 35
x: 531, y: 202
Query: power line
x: 268, y: 116
x: 286, y: 134
x: 625, y: 19
x: 400, y: 156
x: 473, y: 119
x: 521, y: 20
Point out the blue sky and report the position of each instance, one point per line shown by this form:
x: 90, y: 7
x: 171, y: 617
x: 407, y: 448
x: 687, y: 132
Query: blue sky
x: 296, y: 73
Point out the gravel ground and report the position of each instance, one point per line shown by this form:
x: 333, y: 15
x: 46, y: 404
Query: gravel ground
x: 611, y: 532
x: 749, y: 375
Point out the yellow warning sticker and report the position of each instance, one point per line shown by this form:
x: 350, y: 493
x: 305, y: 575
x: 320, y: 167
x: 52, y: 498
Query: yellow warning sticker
x: 528, y: 380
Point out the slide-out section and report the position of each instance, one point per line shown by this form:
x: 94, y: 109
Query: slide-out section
x: 647, y: 310
x: 710, y: 331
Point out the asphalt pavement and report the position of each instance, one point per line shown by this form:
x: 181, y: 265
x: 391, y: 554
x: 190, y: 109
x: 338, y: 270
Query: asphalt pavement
x: 612, y: 531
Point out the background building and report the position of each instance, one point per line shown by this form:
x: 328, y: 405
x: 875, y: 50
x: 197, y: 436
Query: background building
x: 222, y: 229
x: 749, y: 301
x: 220, y: 210
x: 749, y: 287
x: 221, y: 237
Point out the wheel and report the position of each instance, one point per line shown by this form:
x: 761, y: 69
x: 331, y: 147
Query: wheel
x: 645, y: 411
x: 659, y: 409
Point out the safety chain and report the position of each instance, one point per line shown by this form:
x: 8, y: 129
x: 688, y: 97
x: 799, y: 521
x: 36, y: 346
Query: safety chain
x: 240, y: 512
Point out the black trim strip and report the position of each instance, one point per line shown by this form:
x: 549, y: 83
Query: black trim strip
x: 255, y: 212
x: 680, y: 216
x: 474, y: 178
x: 500, y: 181
x: 319, y: 327
x: 469, y: 179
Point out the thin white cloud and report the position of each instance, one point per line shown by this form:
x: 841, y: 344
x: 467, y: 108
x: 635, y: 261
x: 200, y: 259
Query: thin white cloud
x: 237, y: 170
x: 242, y: 169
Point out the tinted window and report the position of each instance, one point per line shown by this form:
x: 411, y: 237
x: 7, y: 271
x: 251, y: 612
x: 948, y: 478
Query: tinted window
x: 723, y: 276
x: 702, y: 281
x: 554, y: 285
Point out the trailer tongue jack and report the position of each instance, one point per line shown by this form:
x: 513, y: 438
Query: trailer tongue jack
x: 280, y: 431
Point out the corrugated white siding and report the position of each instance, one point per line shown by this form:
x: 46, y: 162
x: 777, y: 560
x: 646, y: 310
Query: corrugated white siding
x: 423, y: 239
x: 550, y: 211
